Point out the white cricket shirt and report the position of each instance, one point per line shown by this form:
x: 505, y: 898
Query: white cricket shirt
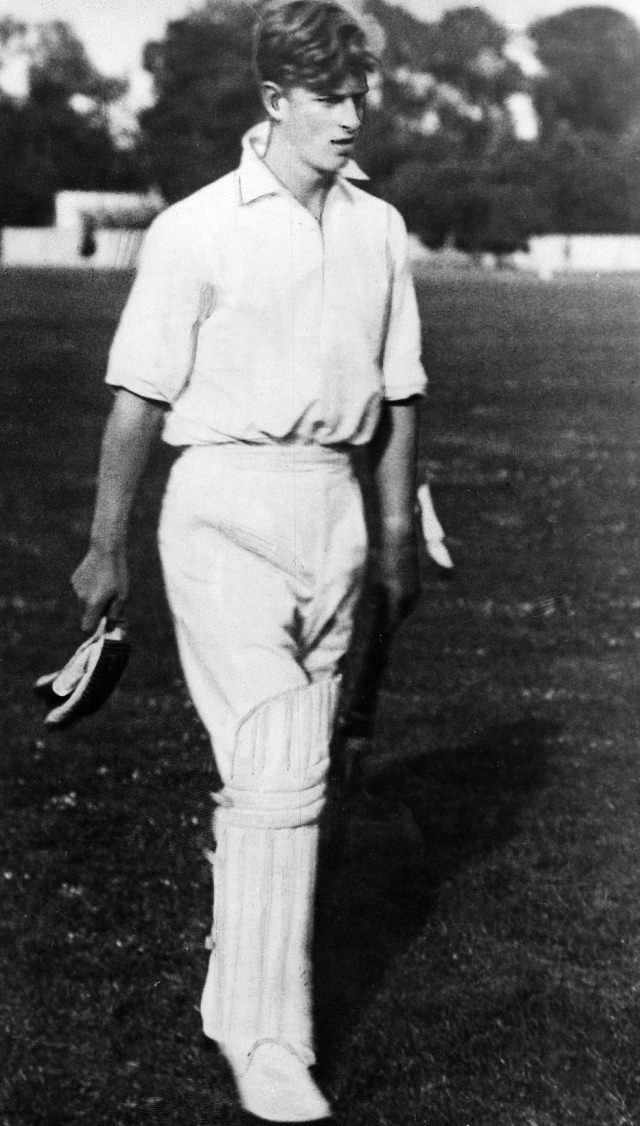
x: 257, y: 323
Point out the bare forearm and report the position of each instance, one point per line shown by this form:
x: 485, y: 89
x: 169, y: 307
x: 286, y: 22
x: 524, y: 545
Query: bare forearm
x: 129, y: 434
x: 396, y: 560
x: 101, y: 580
x: 394, y: 579
x: 395, y: 468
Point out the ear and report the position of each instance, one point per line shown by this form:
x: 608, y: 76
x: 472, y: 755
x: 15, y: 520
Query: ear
x: 272, y: 99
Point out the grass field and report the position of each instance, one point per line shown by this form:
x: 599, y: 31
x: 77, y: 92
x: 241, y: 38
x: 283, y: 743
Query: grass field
x: 479, y: 942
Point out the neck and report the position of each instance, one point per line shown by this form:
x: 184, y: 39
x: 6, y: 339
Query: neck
x: 309, y: 186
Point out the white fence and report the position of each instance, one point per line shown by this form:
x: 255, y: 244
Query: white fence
x: 109, y: 209
x: 55, y: 246
x: 556, y: 254
x: 119, y: 249
x: 548, y: 255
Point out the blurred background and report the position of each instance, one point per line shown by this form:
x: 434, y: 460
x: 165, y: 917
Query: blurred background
x: 491, y: 126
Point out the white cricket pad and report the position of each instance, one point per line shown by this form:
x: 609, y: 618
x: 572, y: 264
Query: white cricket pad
x: 258, y: 987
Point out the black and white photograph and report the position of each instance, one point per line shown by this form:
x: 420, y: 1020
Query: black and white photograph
x: 319, y: 563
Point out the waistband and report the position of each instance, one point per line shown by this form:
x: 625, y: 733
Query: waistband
x: 269, y: 456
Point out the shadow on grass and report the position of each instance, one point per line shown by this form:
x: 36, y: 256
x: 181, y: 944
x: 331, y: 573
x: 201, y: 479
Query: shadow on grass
x: 415, y: 822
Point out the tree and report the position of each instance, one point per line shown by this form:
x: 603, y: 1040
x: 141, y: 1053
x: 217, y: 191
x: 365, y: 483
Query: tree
x: 583, y: 183
x: 468, y: 52
x: 432, y: 146
x: 407, y: 41
x: 591, y: 79
x: 441, y: 144
x: 12, y: 37
x: 26, y: 173
x: 12, y: 34
x: 629, y: 170
x: 588, y: 102
x: 58, y: 136
x: 69, y: 101
x: 60, y: 69
x: 205, y: 96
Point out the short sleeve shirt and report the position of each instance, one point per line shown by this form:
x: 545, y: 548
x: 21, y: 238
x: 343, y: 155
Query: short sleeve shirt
x: 257, y: 323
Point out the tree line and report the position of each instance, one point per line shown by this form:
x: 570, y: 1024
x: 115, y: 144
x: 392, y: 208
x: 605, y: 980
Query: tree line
x: 441, y: 142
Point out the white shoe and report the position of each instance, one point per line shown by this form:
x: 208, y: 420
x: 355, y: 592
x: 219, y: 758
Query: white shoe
x: 275, y: 1084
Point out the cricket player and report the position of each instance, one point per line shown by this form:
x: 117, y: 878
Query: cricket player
x: 272, y: 328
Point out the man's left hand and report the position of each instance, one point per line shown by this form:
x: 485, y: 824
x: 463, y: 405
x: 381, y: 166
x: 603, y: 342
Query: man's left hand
x: 397, y: 572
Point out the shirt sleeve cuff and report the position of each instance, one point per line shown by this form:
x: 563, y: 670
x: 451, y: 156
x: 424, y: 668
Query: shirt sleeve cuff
x: 399, y: 391
x: 138, y: 387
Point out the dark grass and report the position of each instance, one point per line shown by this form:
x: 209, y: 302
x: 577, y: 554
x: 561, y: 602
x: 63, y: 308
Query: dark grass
x: 479, y: 939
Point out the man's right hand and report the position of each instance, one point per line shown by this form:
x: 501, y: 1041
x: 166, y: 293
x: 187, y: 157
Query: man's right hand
x: 101, y: 584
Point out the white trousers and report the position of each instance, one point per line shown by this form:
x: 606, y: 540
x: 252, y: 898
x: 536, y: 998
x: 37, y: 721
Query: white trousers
x: 263, y: 550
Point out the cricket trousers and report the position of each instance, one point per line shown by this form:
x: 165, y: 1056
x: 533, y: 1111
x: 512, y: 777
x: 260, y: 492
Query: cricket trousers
x: 263, y: 551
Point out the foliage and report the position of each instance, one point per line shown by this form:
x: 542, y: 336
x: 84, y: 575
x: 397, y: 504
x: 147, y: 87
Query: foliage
x: 430, y: 148
x: 591, y: 79
x: 588, y: 102
x: 440, y: 144
x: 471, y: 182
x: 26, y: 170
x: 58, y: 136
x: 205, y: 97
x: 60, y: 69
x: 583, y: 183
x: 407, y: 41
x: 468, y: 52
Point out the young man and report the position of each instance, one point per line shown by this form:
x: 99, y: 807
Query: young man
x: 272, y: 327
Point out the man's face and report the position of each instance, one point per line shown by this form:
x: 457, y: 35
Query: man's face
x: 322, y: 127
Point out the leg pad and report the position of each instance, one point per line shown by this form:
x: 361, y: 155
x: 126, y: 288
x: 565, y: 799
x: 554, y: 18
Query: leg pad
x: 258, y: 988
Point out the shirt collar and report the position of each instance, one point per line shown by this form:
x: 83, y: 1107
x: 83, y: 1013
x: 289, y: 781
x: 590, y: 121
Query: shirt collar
x: 257, y: 180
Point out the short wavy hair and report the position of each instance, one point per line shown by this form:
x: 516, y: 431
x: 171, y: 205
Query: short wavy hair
x: 317, y: 44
